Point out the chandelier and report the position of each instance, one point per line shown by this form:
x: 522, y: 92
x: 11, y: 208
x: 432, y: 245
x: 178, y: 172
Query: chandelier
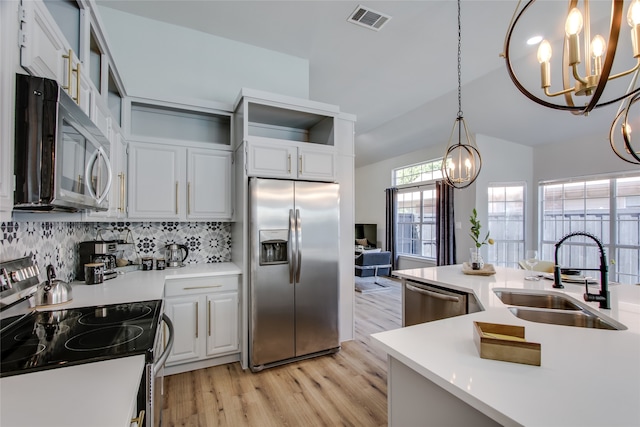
x: 621, y: 129
x: 581, y: 78
x: 462, y: 162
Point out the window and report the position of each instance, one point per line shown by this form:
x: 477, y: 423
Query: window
x: 417, y: 222
x: 506, y: 222
x: 420, y: 172
x: 417, y: 208
x: 608, y: 208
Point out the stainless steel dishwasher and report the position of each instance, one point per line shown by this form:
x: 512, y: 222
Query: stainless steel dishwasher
x: 423, y: 302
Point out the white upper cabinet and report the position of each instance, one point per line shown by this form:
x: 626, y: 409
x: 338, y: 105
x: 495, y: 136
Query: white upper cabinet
x: 9, y: 65
x: 271, y: 159
x: 44, y: 51
x: 63, y: 41
x: 180, y: 161
x: 286, y: 137
x: 278, y: 159
x: 156, y: 181
x: 209, y: 184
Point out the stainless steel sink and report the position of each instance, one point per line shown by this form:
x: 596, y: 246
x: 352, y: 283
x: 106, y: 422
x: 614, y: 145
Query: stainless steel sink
x: 555, y: 309
x: 582, y: 319
x: 522, y: 299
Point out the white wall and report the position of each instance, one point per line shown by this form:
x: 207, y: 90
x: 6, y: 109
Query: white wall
x: 504, y: 162
x: 164, y: 61
x: 578, y: 158
x: 372, y: 180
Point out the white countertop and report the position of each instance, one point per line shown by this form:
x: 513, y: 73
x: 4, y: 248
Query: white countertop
x: 588, y: 377
x: 100, y: 393
x: 93, y: 394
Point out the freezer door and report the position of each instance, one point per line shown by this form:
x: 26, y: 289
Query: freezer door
x: 316, y: 290
x: 272, y: 323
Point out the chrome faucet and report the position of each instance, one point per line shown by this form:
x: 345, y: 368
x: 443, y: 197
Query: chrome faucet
x: 603, y: 296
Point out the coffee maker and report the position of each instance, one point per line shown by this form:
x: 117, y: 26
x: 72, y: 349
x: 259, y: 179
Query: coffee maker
x: 98, y: 251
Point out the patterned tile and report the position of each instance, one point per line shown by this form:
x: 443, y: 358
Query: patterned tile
x: 56, y: 242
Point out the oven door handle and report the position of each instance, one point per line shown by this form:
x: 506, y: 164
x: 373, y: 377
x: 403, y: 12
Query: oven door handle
x: 163, y: 357
x: 443, y: 297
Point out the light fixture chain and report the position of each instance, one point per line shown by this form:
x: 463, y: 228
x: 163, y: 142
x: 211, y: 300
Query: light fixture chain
x: 459, y: 64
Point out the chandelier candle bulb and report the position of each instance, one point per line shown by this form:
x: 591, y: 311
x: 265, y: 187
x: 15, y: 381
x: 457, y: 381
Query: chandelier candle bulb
x: 544, y: 55
x: 633, y: 19
x: 572, y: 27
x: 598, y: 47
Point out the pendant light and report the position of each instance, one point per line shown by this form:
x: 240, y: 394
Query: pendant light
x: 462, y: 162
x: 583, y: 79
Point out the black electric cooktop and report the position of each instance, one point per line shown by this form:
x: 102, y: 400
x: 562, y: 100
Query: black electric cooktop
x: 54, y: 339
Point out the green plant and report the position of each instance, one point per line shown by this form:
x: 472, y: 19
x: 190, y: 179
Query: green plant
x: 475, y: 231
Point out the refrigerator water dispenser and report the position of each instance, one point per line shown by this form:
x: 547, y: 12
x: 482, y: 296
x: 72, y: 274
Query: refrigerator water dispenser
x: 274, y: 247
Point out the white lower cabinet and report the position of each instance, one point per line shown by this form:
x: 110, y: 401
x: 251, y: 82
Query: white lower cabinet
x: 205, y: 316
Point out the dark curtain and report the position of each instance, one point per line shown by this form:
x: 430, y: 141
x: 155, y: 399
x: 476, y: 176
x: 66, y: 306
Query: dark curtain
x: 391, y: 224
x: 445, y: 226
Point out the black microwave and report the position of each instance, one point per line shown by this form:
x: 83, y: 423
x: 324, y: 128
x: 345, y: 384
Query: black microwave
x: 61, y: 157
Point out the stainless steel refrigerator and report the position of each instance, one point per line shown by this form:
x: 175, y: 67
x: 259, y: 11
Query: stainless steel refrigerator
x: 294, y: 230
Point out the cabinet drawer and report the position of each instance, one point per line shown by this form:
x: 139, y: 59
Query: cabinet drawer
x: 200, y: 285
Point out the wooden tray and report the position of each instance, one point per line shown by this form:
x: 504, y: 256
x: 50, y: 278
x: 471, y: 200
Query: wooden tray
x: 505, y: 343
x: 487, y: 270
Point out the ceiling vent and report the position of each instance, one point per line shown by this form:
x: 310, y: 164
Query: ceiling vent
x: 368, y: 18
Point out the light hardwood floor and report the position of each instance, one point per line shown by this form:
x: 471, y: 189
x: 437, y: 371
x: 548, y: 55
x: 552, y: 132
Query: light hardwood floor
x: 348, y: 388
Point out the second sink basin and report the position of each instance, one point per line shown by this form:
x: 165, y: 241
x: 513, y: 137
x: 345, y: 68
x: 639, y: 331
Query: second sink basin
x: 566, y: 318
x: 523, y: 299
x: 555, y: 309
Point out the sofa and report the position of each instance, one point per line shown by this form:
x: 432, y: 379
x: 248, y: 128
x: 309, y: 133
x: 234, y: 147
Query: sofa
x: 373, y: 263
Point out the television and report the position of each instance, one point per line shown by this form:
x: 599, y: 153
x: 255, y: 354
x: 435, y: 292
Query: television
x: 369, y: 232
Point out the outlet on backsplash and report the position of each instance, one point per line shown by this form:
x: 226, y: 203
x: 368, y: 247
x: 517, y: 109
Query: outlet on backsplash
x: 56, y: 242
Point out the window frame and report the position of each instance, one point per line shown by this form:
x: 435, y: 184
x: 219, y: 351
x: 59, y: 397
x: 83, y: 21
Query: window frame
x: 493, y: 250
x: 433, y: 169
x: 585, y: 250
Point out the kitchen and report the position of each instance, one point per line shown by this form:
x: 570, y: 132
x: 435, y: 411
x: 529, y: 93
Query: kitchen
x: 369, y: 179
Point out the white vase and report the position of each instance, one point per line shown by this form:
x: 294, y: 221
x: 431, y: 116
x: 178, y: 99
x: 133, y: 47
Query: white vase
x: 475, y: 259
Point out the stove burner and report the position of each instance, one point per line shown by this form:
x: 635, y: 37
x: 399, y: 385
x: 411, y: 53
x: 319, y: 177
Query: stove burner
x: 102, y: 338
x: 24, y: 352
x: 103, y: 316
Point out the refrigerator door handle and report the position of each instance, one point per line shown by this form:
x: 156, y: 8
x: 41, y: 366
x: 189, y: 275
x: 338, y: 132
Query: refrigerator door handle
x: 290, y: 252
x: 298, y: 244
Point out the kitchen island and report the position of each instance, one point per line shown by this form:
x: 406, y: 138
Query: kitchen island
x: 587, y: 377
x: 99, y: 393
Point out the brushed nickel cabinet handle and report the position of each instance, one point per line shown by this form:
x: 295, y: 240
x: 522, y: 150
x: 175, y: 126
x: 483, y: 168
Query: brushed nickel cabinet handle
x: 188, y: 198
x: 77, y: 71
x: 121, y: 177
x: 69, y: 58
x: 176, y: 197
x: 189, y: 288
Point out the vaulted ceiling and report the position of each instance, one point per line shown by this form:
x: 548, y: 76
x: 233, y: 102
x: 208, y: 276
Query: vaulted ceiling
x: 401, y: 81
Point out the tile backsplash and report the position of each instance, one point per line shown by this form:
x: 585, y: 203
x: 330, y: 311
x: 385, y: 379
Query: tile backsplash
x: 56, y: 242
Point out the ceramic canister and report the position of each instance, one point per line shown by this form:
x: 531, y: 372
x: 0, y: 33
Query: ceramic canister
x: 94, y: 273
